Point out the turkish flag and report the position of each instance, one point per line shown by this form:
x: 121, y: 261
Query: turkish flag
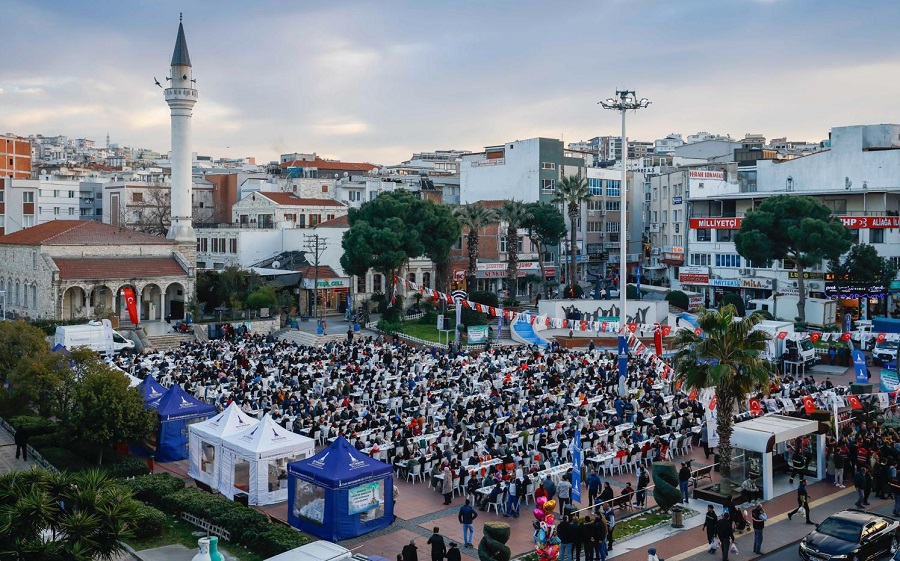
x: 854, y: 402
x: 693, y: 394
x: 666, y: 329
x: 698, y: 332
x: 809, y: 404
x: 845, y: 337
x: 815, y: 336
x: 755, y: 408
x: 603, y: 326
x: 583, y: 325
x: 131, y: 303
x: 632, y: 327
x: 547, y: 321
x: 657, y: 341
x: 881, y: 337
x: 712, y: 403
x: 782, y: 335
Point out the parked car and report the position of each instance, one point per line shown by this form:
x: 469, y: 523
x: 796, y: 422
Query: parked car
x: 884, y: 352
x: 851, y: 535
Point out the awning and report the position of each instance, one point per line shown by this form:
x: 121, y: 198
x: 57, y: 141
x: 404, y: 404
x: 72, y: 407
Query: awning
x: 763, y: 433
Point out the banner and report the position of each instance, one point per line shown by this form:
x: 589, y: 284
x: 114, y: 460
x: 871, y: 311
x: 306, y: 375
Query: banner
x: 108, y: 343
x: 708, y: 400
x: 478, y: 333
x: 859, y: 366
x: 755, y: 407
x: 576, y: 464
x: 363, y: 498
x: 131, y: 303
x: 889, y: 380
x: 809, y: 404
x: 657, y: 342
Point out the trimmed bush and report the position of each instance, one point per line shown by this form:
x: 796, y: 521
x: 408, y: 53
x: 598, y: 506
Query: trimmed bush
x: 149, y: 522
x: 567, y: 291
x: 235, y: 518
x: 275, y: 540
x: 126, y: 466
x: 63, y: 459
x: 35, y: 426
x: 736, y: 301
x: 678, y: 299
x: 386, y: 326
x: 152, y: 489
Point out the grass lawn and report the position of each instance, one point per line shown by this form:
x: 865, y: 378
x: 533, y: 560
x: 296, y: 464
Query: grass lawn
x: 179, y: 531
x: 638, y: 523
x: 422, y: 331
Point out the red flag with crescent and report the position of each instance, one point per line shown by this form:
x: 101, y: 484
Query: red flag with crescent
x: 693, y: 394
x: 632, y: 327
x: 815, y: 336
x: 782, y: 335
x: 755, y: 407
x: 603, y: 326
x: 698, y: 332
x: 547, y: 321
x: 657, y: 341
x: 713, y: 402
x: 845, y: 337
x: 854, y: 402
x: 881, y: 337
x: 666, y: 329
x: 131, y: 303
x: 809, y: 404
x: 583, y: 325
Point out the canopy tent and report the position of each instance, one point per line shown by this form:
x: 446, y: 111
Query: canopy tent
x: 176, y: 411
x: 340, y: 493
x: 206, y: 442
x: 152, y: 391
x: 255, y: 461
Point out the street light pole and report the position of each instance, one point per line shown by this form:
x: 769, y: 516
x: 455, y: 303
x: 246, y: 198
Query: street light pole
x: 624, y: 101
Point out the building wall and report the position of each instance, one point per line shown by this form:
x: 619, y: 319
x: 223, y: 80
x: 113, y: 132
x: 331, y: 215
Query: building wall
x: 242, y: 247
x: 27, y: 267
x: 517, y: 176
x: 15, y: 157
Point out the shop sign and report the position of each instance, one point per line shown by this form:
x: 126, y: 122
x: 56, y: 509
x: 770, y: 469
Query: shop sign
x: 855, y: 290
x: 695, y: 302
x: 730, y: 283
x: 489, y: 162
x: 498, y: 270
x: 814, y: 276
x: 730, y: 223
x: 706, y: 174
x: 895, y: 285
x: 676, y: 200
x: 762, y: 284
x: 343, y: 282
x: 693, y: 278
x: 852, y: 222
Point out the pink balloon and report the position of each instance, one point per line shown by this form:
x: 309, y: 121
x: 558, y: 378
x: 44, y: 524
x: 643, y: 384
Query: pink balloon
x: 539, y: 514
x: 550, y: 519
x: 552, y: 552
x: 540, y: 501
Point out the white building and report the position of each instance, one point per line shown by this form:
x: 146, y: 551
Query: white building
x: 29, y: 202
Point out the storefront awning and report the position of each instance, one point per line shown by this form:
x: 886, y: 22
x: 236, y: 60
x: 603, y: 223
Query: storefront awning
x: 763, y: 433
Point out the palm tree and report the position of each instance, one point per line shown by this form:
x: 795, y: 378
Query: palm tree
x: 77, y: 516
x: 515, y: 214
x: 725, y: 356
x: 473, y: 217
x: 571, y: 191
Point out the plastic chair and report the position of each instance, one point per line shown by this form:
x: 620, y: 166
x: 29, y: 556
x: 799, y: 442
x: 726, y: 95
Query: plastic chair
x: 415, y: 472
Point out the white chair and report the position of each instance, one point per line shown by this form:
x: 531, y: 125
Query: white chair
x: 415, y: 472
x: 495, y: 504
x: 529, y: 493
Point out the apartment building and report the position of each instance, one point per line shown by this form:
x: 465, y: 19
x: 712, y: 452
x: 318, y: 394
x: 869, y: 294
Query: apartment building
x: 15, y: 157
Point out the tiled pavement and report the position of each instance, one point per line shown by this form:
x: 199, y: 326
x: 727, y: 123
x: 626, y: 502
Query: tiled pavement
x: 8, y: 461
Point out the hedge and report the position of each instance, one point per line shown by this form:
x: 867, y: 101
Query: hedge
x: 152, y: 489
x: 149, y: 522
x: 275, y: 540
x: 34, y: 426
x: 115, y: 465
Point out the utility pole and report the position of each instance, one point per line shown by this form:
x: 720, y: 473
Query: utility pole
x: 317, y: 246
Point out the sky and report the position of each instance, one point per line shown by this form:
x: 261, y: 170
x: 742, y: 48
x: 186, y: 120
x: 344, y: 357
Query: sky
x: 378, y: 80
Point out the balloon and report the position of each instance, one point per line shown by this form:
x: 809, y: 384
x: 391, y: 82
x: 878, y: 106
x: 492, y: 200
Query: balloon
x: 539, y: 514
x: 549, y: 506
x: 552, y: 552
x: 550, y: 519
x: 540, y: 502
x: 555, y: 541
x: 541, y: 536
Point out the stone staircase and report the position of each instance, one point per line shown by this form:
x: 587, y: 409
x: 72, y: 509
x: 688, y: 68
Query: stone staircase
x: 311, y: 339
x: 169, y: 341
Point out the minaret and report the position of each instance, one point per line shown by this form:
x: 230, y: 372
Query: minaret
x: 181, y: 97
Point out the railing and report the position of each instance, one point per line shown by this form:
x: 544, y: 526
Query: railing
x: 36, y: 456
x: 208, y: 526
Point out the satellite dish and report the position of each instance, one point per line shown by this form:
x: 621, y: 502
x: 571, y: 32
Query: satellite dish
x: 276, y: 264
x: 346, y: 174
x: 336, y: 176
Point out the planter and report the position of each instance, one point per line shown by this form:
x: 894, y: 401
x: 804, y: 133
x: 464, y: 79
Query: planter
x: 713, y: 494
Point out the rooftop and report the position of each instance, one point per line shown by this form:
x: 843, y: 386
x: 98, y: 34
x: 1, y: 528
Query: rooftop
x: 80, y: 232
x: 289, y: 199
x: 118, y: 268
x: 319, y: 163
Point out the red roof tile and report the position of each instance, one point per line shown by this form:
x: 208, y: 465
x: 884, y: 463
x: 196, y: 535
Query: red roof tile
x: 289, y: 199
x: 339, y: 222
x: 325, y: 272
x: 118, y: 268
x: 319, y: 163
x: 80, y: 232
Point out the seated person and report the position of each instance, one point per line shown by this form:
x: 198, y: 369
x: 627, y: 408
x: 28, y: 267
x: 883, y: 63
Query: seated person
x: 749, y: 490
x: 492, y: 497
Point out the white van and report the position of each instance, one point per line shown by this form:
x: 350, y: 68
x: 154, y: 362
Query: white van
x: 91, y: 335
x: 320, y: 550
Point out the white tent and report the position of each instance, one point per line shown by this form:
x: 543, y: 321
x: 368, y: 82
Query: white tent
x: 255, y: 461
x: 205, y: 442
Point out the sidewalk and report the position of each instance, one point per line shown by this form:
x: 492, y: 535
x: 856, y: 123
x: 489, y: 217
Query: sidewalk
x: 8, y: 461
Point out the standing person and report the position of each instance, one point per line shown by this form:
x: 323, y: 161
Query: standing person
x: 651, y: 555
x: 578, y: 543
x: 587, y: 538
x: 564, y: 493
x: 894, y: 487
x: 438, y: 545
x: 859, y: 482
x: 593, y: 488
x: 642, y: 483
x: 453, y: 553
x: 447, y: 486
x: 867, y: 488
x: 610, y: 514
x: 350, y: 334
x: 467, y: 516
x: 21, y: 439
x: 566, y: 534
x: 514, y: 494
x: 684, y: 481
x: 550, y: 487
x: 798, y: 466
x: 838, y: 469
x: 606, y: 496
x: 758, y: 517
x: 410, y: 551
x: 600, y: 530
x: 725, y: 533
x: 709, y: 524
x: 704, y: 439
x: 802, y: 501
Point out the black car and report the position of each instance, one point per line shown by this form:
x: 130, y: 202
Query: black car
x: 851, y: 535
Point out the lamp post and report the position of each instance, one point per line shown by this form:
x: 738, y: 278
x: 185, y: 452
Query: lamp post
x: 624, y: 101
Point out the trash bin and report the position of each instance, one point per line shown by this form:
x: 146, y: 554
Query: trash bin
x: 355, y: 327
x: 718, y: 460
x: 319, y: 330
x: 677, y: 517
x: 242, y: 498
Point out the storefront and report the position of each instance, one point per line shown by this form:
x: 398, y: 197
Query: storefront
x: 491, y: 277
x: 862, y: 300
x: 332, y: 294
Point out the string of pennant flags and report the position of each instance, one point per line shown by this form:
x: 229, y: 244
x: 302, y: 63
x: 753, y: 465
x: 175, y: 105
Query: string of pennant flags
x: 597, y: 326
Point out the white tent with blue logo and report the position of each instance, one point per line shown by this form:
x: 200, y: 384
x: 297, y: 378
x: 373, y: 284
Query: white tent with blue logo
x: 255, y: 461
x: 205, y: 440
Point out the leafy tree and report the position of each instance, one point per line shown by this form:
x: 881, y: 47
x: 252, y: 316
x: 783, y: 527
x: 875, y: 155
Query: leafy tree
x: 514, y: 214
x: 678, y: 299
x: 86, y: 514
x: 796, y: 229
x: 262, y: 297
x: 37, y: 378
x: 736, y: 301
x: 863, y: 264
x: 471, y: 317
x: 474, y: 218
x: 546, y: 228
x: 571, y: 191
x: 440, y: 230
x: 18, y: 341
x: 727, y: 356
x: 105, y: 410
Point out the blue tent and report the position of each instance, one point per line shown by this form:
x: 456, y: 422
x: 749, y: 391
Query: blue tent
x: 176, y: 409
x: 340, y: 493
x: 152, y: 391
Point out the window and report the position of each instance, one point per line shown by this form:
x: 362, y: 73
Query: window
x: 593, y: 227
x: 502, y: 244
x: 594, y: 205
x: 71, y: 211
x: 725, y: 235
x: 876, y: 236
x: 28, y: 197
x: 71, y: 194
x: 548, y: 165
x: 678, y: 240
x: 728, y: 260
x: 34, y: 296
x: 203, y: 244
x: 136, y: 215
x: 426, y: 280
x: 612, y: 227
x: 376, y: 282
x: 55, y: 193
x: 232, y: 245
x: 137, y: 197
x: 361, y: 284
x: 28, y: 221
x: 411, y: 277
x: 56, y: 211
x: 548, y: 184
x: 2, y: 193
x: 520, y: 244
x: 324, y: 188
x: 704, y: 235
x: 700, y: 259
x: 612, y: 206
x: 837, y: 206
x: 612, y: 188
x: 655, y: 217
x: 665, y: 216
x: 595, y: 186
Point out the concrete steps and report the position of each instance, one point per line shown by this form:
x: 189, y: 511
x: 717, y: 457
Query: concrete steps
x: 169, y: 341
x: 311, y: 339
